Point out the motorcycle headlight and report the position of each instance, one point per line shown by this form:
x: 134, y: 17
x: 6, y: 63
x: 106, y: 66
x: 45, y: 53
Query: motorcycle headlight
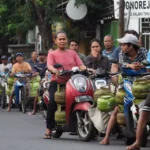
x: 80, y: 84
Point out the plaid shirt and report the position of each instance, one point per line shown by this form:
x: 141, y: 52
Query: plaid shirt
x: 124, y: 59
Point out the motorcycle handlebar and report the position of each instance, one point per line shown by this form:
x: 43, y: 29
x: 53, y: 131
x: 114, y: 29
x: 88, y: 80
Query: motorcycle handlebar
x: 137, y: 75
x: 69, y: 72
x: 23, y: 75
x: 108, y: 74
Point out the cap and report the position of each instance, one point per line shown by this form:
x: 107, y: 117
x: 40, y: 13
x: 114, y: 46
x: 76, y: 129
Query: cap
x: 42, y: 53
x: 129, y: 38
x: 4, y: 57
x: 19, y: 54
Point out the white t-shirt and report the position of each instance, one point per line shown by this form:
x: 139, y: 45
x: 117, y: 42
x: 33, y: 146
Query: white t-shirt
x: 3, y: 67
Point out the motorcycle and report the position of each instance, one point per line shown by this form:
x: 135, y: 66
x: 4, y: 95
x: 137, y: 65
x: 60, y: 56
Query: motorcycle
x: 43, y: 90
x: 4, y: 97
x: 78, y: 98
x: 137, y: 108
x: 45, y: 97
x: 21, y: 90
x: 129, y: 131
x: 103, y: 87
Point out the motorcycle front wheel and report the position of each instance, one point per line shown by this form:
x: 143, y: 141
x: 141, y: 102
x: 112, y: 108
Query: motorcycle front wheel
x: 85, y: 126
x: 23, y: 98
x: 57, y: 133
x: 3, y: 98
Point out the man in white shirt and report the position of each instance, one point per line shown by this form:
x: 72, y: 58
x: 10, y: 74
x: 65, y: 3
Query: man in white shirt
x: 4, y: 67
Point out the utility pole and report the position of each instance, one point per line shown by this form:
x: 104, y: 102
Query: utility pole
x: 121, y: 18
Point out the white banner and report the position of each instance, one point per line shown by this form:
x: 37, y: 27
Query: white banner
x: 139, y: 8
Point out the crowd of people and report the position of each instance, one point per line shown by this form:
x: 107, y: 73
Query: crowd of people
x: 129, y: 54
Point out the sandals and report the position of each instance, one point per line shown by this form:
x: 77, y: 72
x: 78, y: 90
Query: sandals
x: 31, y: 113
x: 132, y: 147
x: 47, y: 136
x: 8, y: 110
x: 104, y: 143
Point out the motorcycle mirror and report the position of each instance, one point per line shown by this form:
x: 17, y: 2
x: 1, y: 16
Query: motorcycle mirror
x: 113, y: 60
x: 57, y: 66
x: 146, y: 63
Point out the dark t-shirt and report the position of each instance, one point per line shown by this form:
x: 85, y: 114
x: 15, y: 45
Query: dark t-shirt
x: 41, y: 69
x: 32, y: 64
x: 97, y: 63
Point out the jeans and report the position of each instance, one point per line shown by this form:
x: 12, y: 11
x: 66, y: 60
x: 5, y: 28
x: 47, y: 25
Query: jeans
x: 52, y: 106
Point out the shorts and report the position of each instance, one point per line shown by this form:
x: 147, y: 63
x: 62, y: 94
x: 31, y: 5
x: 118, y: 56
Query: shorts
x: 146, y: 106
x: 13, y: 90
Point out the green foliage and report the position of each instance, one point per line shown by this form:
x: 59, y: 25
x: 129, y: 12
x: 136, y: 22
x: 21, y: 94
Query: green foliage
x: 94, y: 4
x: 18, y: 16
x: 3, y: 9
x: 15, y: 17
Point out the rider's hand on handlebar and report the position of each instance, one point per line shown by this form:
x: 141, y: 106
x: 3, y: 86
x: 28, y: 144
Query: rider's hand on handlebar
x: 6, y: 69
x: 12, y: 74
x: 55, y: 71
x: 135, y: 66
x: 35, y: 74
x: 92, y: 70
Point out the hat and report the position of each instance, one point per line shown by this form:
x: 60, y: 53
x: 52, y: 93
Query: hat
x: 4, y: 57
x: 42, y: 53
x: 129, y: 38
x: 19, y: 54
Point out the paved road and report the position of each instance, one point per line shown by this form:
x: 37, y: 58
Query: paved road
x: 22, y: 132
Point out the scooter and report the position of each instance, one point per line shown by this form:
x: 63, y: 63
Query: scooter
x: 4, y: 97
x: 4, y: 86
x: 78, y: 98
x: 43, y: 90
x: 21, y: 90
x: 129, y: 131
x: 136, y: 108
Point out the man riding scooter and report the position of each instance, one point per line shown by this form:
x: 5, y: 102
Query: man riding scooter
x: 20, y: 66
x: 130, y: 57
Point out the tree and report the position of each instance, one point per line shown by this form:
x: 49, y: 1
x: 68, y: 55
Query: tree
x: 18, y: 16
x: 44, y: 16
x: 13, y: 23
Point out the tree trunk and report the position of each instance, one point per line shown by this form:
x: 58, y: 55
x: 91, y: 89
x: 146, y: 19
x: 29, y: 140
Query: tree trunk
x: 20, y: 38
x: 46, y: 35
x: 44, y: 27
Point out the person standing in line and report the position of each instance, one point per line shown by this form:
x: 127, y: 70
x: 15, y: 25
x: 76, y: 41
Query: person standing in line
x: 33, y: 60
x: 109, y: 46
x: 5, y: 66
x: 40, y: 68
x: 74, y: 45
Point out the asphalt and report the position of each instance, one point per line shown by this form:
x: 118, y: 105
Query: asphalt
x: 20, y: 131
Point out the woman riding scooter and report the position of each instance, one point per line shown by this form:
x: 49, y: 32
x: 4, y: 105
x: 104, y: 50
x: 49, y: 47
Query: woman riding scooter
x: 68, y: 59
